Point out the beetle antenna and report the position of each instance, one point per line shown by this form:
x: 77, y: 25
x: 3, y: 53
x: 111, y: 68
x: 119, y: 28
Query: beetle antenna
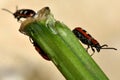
x: 105, y: 46
x: 7, y: 10
x: 109, y: 48
x: 16, y: 8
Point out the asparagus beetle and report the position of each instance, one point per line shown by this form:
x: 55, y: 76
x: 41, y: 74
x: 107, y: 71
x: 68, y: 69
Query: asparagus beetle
x: 21, y: 13
x: 87, y: 39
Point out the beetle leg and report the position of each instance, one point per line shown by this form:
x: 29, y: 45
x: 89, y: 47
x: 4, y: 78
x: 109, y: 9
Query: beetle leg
x: 93, y: 51
x: 31, y: 40
x: 20, y: 21
x: 87, y: 48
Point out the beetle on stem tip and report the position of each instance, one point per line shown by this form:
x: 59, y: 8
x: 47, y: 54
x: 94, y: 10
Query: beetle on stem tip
x: 21, y: 13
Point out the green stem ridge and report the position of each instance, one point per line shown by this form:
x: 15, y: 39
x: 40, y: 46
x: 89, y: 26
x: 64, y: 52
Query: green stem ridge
x: 62, y: 47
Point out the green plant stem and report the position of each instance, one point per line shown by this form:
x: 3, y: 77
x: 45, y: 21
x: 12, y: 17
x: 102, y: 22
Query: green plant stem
x: 62, y: 47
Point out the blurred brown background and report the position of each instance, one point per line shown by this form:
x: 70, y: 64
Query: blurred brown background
x: 20, y: 61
